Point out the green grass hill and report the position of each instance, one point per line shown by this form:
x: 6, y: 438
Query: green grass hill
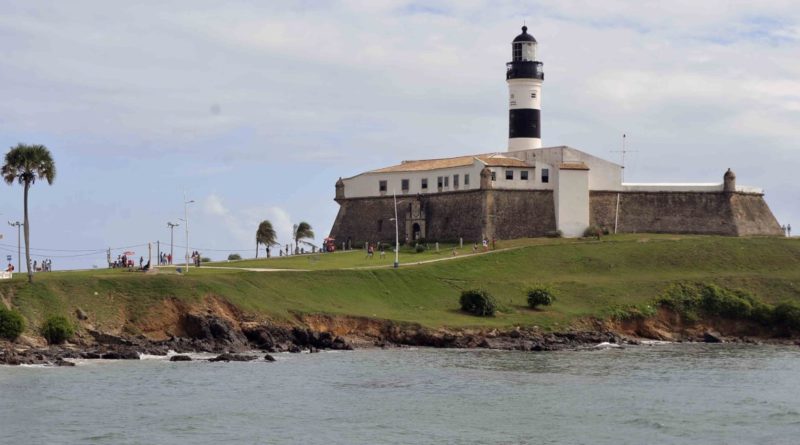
x: 592, y: 278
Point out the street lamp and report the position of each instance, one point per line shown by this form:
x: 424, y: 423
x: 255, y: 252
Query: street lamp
x: 19, y: 225
x: 396, y: 234
x: 171, y: 227
x: 186, y: 226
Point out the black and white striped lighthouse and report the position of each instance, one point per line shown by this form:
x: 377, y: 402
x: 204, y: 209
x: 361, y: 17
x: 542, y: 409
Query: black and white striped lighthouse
x: 524, y: 76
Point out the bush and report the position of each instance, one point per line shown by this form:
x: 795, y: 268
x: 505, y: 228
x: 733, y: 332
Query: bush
x: 57, y: 330
x: 540, y: 296
x: 234, y: 257
x: 478, y: 302
x: 554, y: 234
x: 420, y: 248
x: 205, y: 259
x: 11, y: 324
x: 787, y: 315
x: 593, y: 231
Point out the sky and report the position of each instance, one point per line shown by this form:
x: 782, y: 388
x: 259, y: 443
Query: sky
x: 254, y: 109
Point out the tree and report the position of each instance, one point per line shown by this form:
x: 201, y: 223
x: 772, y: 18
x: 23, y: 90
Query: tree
x: 25, y: 163
x: 265, y: 235
x: 302, y: 231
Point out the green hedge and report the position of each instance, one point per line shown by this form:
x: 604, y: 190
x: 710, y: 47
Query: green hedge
x: 12, y: 324
x: 478, y: 302
x: 57, y: 330
x: 540, y: 296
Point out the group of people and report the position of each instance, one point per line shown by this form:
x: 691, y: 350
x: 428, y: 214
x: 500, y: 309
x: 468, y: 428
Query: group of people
x: 122, y: 262
x: 787, y: 229
x: 164, y: 258
x: 371, y: 250
x: 45, y: 266
x: 196, y: 259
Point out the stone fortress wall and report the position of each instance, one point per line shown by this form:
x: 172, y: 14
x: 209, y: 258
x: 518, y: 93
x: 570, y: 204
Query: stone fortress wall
x: 509, y: 214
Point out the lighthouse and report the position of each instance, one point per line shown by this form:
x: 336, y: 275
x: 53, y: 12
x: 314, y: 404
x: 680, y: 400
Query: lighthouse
x: 524, y: 76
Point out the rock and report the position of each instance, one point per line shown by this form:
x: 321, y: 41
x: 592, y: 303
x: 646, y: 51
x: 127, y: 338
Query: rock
x: 121, y: 355
x: 712, y: 337
x: 62, y: 362
x: 91, y: 355
x: 81, y: 314
x: 269, y: 358
x: 294, y: 349
x: 232, y: 358
x: 312, y: 350
x: 340, y: 345
x: 109, y: 339
x: 180, y: 358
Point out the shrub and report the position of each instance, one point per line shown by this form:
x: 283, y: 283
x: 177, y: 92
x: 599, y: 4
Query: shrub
x: 540, y: 296
x: 554, y: 234
x: 234, y: 257
x: 593, y: 231
x: 478, y: 302
x: 205, y: 259
x: 787, y: 315
x: 420, y: 248
x: 11, y: 324
x: 57, y: 330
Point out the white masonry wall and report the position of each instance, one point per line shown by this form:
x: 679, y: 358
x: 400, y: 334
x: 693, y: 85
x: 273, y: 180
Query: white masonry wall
x: 367, y: 184
x: 572, y: 202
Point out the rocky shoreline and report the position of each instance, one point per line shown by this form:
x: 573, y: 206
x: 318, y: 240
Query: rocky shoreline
x: 236, y: 341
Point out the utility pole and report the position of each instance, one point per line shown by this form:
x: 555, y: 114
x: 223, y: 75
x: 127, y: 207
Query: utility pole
x: 19, y: 243
x: 186, y: 226
x: 396, y: 234
x: 623, y: 151
x: 171, y: 226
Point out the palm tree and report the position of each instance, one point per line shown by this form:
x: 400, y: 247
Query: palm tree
x: 265, y: 235
x: 24, y: 163
x: 301, y: 231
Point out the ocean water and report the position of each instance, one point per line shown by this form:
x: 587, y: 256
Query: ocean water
x: 660, y: 394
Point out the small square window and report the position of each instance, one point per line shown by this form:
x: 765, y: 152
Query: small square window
x: 404, y: 185
x: 455, y: 180
x: 545, y: 175
x: 440, y: 181
x: 509, y: 175
x: 523, y: 175
x: 494, y: 176
x: 466, y: 179
x: 424, y: 184
x: 382, y: 186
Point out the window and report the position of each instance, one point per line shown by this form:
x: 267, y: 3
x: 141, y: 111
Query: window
x: 455, y: 180
x: 404, y: 185
x: 466, y: 179
x: 382, y: 186
x: 494, y: 175
x: 545, y: 175
x: 440, y: 181
x: 424, y: 184
x: 517, y: 53
x: 523, y: 175
x: 509, y: 175
x: 447, y: 181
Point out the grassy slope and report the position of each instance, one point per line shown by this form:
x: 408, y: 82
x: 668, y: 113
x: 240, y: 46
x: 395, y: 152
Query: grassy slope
x: 592, y: 278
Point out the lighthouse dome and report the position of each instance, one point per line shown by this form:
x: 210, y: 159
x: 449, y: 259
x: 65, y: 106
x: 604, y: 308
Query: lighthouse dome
x: 524, y: 37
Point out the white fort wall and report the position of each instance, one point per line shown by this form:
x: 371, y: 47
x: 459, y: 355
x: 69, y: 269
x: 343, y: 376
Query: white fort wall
x: 368, y: 184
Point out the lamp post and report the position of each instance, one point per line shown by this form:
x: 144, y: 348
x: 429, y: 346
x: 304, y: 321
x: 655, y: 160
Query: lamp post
x: 396, y: 234
x: 171, y: 226
x: 19, y: 243
x: 186, y: 226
